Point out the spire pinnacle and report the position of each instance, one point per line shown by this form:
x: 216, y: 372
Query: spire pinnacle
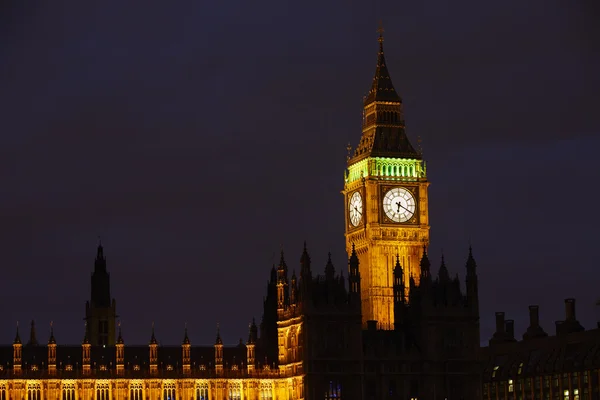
x: 153, y: 337
x: 219, y: 340
x: 51, y: 340
x: 120, y: 338
x: 186, y: 339
x: 380, y: 30
x: 17, y: 337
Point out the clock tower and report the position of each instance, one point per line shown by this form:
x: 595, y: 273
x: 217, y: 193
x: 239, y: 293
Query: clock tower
x: 385, y: 197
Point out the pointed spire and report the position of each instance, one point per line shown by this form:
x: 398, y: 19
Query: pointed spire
x: 425, y: 266
x: 471, y: 264
x: 153, y: 337
x: 218, y: 340
x: 120, y: 338
x: 329, y: 269
x: 86, y: 338
x: 100, y: 250
x: 186, y: 339
x: 282, y: 269
x: 32, y: 336
x: 51, y: 340
x: 382, y: 88
x: 305, y: 264
x: 443, y: 274
x: 17, y: 336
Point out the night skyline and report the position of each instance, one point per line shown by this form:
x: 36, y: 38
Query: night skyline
x: 197, y: 142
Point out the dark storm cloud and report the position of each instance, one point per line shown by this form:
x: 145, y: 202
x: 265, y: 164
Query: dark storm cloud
x: 199, y: 138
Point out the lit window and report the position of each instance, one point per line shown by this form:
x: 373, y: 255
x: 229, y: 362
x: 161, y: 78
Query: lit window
x: 136, y: 367
x: 495, y: 370
x: 202, y: 392
x: 169, y: 391
x: 511, y: 387
x: 169, y: 367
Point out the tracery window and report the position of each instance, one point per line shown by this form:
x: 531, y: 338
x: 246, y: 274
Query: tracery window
x: 135, y: 391
x: 334, y: 391
x: 34, y: 391
x: 235, y: 391
x: 102, y: 391
x: 68, y: 391
x: 169, y: 391
x: 266, y: 391
x: 202, y: 392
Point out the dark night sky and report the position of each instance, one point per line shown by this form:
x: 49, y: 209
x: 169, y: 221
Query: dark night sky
x: 197, y: 138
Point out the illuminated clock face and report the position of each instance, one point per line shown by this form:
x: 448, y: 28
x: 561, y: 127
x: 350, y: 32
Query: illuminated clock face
x: 399, y: 204
x: 355, y: 208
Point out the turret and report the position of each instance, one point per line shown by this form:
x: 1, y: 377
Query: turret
x: 219, y: 353
x: 17, y: 353
x: 354, y: 277
x: 153, y: 353
x: 305, y: 271
x: 86, y: 348
x: 51, y: 352
x: 251, y: 347
x: 399, y: 294
x: 472, y: 283
x: 329, y: 269
x: 100, y: 310
x: 120, y: 356
x: 186, y: 356
x: 425, y: 278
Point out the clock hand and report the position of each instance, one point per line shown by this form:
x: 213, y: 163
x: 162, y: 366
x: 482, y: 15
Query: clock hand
x: 405, y: 208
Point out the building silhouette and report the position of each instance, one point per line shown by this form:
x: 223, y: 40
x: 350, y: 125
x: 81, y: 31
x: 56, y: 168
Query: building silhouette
x: 540, y: 366
x: 385, y: 326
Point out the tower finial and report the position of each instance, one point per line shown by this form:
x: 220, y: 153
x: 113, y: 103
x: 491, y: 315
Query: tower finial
x: 380, y: 30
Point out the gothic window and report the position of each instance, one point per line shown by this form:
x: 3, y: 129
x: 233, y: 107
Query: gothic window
x: 68, y: 391
x: 2, y: 392
x: 169, y: 391
x: 334, y: 391
x: 33, y: 391
x: 266, y: 391
x: 102, y: 392
x: 135, y: 391
x: 202, y: 392
x: 235, y: 392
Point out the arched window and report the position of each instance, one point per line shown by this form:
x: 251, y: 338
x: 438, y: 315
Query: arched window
x: 334, y: 391
x: 102, y: 391
x: 235, y: 392
x: 202, y: 392
x: 68, y: 391
x: 135, y: 391
x: 33, y: 391
x: 2, y: 392
x: 169, y: 391
x: 266, y: 391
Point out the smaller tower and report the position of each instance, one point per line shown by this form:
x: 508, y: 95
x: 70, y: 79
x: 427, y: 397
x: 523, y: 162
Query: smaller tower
x: 51, y: 352
x: 153, y: 353
x: 293, y: 289
x: 186, y: 350
x: 120, y: 356
x: 399, y: 294
x: 251, y: 347
x: 219, y: 353
x: 87, y: 353
x: 472, y: 283
x: 354, y: 278
x: 17, y: 353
